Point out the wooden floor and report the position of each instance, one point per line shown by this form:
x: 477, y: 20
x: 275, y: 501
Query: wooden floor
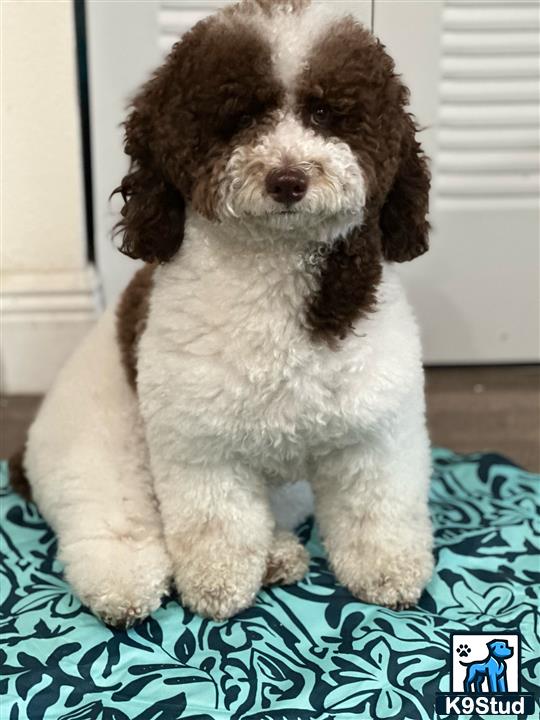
x: 469, y: 409
x: 487, y: 408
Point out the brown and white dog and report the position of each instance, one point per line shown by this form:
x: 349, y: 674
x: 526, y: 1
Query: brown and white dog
x: 275, y: 179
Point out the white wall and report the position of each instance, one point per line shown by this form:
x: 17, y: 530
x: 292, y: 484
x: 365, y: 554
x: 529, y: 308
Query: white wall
x: 41, y: 190
x: 47, y: 292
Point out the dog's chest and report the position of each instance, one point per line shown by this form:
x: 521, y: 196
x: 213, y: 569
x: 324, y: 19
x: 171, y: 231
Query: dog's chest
x: 226, y: 355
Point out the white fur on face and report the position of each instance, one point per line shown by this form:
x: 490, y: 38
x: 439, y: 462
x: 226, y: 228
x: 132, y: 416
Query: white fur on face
x: 337, y: 189
x: 336, y: 194
x: 292, y: 36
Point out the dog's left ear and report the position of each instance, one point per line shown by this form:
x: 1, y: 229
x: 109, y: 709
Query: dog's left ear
x: 152, y: 219
x: 403, y: 218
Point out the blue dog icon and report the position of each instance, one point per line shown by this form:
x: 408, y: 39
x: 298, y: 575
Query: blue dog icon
x: 493, y: 668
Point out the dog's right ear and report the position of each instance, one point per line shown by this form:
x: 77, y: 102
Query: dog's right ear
x: 403, y: 220
x: 152, y: 224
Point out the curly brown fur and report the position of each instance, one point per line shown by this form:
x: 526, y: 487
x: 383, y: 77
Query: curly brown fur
x: 347, y: 288
x: 350, y: 71
x: 152, y: 217
x: 352, y: 74
x: 403, y: 221
x: 179, y: 132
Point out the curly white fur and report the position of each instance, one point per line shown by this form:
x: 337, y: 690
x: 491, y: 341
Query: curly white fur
x: 236, y: 397
x: 336, y: 194
x: 87, y: 460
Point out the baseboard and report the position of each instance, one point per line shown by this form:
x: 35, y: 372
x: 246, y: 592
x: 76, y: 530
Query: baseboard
x: 44, y: 316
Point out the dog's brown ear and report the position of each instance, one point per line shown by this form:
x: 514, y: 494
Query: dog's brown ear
x: 152, y: 224
x: 403, y: 219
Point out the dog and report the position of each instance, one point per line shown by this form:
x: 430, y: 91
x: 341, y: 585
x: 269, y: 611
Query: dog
x: 493, y: 668
x: 265, y: 346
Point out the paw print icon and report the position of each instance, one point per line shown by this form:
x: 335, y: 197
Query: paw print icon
x: 463, y: 650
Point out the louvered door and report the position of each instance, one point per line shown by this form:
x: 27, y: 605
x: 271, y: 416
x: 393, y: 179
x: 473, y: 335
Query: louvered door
x: 474, y: 69
x: 488, y: 135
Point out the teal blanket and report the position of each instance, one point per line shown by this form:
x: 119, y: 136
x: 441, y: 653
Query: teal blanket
x: 306, y: 652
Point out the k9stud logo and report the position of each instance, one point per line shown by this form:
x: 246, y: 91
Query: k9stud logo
x: 485, y: 677
x: 485, y: 663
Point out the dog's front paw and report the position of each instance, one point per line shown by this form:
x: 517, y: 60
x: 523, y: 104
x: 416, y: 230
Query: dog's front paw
x: 288, y: 560
x: 385, y: 576
x: 220, y: 587
x: 120, y: 580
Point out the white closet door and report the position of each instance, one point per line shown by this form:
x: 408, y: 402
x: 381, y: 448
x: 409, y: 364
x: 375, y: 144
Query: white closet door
x: 473, y: 69
x: 126, y: 40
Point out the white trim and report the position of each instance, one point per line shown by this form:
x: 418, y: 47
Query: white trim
x: 43, y: 318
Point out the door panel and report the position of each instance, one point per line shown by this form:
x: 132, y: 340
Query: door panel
x: 472, y: 68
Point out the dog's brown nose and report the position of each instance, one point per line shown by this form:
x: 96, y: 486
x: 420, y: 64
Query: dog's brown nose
x: 287, y: 185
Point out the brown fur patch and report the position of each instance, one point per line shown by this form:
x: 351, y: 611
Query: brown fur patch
x: 17, y: 475
x: 350, y: 73
x: 347, y: 288
x: 131, y: 318
x: 213, y: 91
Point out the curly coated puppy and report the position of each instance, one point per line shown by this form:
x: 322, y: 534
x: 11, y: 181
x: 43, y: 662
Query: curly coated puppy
x: 275, y: 180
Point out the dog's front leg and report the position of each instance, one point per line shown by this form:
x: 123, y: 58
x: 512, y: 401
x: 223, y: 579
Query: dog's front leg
x: 218, y: 530
x: 500, y: 684
x: 371, y: 506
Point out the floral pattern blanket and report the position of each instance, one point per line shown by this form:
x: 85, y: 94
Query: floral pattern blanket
x: 305, y: 652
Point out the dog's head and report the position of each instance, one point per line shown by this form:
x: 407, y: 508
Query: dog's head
x: 275, y: 116
x: 499, y: 649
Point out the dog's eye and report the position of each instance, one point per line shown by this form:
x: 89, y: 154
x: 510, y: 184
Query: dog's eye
x: 244, y: 121
x: 320, y: 114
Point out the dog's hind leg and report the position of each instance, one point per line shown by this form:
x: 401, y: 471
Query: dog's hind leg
x: 469, y: 681
x: 478, y: 684
x: 86, y: 460
x: 288, y: 560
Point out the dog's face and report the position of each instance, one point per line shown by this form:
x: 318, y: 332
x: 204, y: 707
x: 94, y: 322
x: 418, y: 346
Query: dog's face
x: 273, y: 115
x: 288, y: 161
x: 500, y: 650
